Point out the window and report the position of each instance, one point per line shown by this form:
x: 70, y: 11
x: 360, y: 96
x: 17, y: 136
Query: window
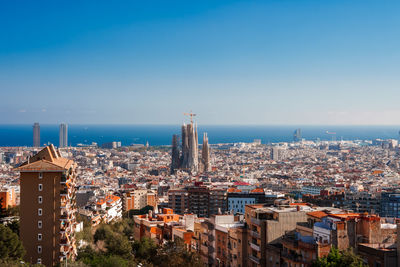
x: 40, y: 199
x: 39, y: 249
x: 40, y: 187
x: 39, y: 261
x: 39, y: 224
x: 40, y: 175
x: 39, y: 237
x: 40, y: 212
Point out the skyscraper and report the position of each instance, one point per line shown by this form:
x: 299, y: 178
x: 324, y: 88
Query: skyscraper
x: 36, y: 134
x: 63, y: 135
x: 297, y: 135
x: 47, y: 207
x: 276, y: 153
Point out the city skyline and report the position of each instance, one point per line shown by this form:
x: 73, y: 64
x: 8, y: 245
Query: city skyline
x: 263, y: 63
x: 200, y: 133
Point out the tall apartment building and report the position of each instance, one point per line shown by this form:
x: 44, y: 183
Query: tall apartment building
x: 36, y: 134
x: 178, y: 200
x: 276, y: 153
x: 205, y: 201
x: 390, y: 204
x: 297, y: 135
x: 63, y: 135
x: 266, y: 225
x: 47, y: 207
x: 222, y: 241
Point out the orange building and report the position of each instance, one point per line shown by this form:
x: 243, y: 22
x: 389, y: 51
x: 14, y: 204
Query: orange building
x: 184, y: 235
x: 151, y: 226
x: 47, y: 208
x: 8, y: 198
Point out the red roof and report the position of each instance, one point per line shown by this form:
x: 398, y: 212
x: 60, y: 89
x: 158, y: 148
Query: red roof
x: 240, y: 183
x: 317, y: 214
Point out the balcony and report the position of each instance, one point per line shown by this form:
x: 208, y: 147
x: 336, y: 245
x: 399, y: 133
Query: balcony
x: 254, y: 259
x: 255, y: 246
x: 255, y: 234
x: 65, y: 205
x: 67, y: 216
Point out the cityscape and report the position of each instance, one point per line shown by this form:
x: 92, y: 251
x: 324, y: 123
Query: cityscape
x: 206, y: 133
x: 234, y: 204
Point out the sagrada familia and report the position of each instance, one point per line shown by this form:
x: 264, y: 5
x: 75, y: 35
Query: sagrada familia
x: 188, y: 159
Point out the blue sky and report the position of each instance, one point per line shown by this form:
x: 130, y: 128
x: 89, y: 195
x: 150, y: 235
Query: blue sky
x: 232, y: 62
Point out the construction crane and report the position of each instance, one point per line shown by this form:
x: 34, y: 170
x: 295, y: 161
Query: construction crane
x: 191, y: 114
x: 244, y: 167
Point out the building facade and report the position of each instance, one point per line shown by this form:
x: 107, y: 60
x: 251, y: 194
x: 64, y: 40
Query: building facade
x: 238, y: 200
x: 63, y: 135
x: 47, y: 208
x: 36, y: 134
x: 138, y: 199
x: 8, y: 198
x: 390, y: 205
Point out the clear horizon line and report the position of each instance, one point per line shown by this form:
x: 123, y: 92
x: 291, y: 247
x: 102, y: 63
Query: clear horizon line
x: 212, y: 124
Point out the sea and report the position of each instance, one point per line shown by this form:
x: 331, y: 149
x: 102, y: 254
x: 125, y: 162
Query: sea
x: 157, y: 135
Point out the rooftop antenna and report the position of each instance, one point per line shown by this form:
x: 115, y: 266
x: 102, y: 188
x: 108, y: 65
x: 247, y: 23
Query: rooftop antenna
x: 191, y: 116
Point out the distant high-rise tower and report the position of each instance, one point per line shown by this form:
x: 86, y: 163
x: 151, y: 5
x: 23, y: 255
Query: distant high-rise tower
x: 63, y: 135
x: 36, y: 134
x: 205, y: 154
x: 297, y: 135
x: 47, y: 208
x: 276, y: 153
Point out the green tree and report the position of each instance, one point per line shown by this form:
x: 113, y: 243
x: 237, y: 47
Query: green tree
x: 102, y: 232
x: 17, y: 263
x: 10, y: 246
x: 145, y: 250
x: 14, y: 226
x: 174, y: 253
x: 337, y: 258
x: 85, y: 220
x: 124, y: 227
x: 13, y: 211
x: 117, y: 244
x: 85, y: 234
x: 89, y: 257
